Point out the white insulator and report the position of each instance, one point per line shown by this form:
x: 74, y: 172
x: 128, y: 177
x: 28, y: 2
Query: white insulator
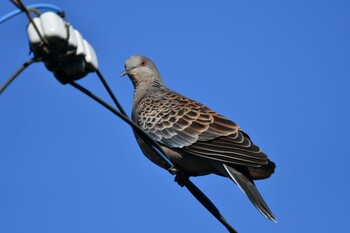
x: 80, y: 44
x: 51, y: 27
x: 90, y: 56
x: 72, y: 40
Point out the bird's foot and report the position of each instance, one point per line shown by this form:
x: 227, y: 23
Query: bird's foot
x: 181, y: 178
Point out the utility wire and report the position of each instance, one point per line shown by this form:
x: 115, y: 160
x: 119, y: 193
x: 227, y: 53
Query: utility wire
x: 17, y: 72
x: 105, y: 84
x: 22, y: 7
x: 126, y: 119
x: 196, y: 192
x: 205, y: 201
x: 153, y: 144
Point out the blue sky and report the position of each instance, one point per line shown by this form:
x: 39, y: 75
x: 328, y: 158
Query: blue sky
x: 279, y: 69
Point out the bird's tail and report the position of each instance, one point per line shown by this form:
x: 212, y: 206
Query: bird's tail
x: 251, y: 191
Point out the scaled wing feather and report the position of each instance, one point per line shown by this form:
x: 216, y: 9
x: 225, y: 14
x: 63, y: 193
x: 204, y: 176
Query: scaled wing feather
x: 179, y: 122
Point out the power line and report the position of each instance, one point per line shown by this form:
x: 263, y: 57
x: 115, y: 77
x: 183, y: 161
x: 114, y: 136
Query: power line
x: 17, y: 72
x: 65, y: 73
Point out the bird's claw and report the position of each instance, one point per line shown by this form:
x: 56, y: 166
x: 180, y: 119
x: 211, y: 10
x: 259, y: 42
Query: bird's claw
x: 181, y: 178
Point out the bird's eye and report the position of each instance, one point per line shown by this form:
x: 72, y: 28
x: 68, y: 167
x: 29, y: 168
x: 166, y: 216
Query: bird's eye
x: 143, y: 63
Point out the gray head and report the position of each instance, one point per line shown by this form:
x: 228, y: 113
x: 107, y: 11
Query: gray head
x: 142, y: 71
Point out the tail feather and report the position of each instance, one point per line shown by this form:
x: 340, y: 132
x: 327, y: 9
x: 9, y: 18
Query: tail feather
x: 251, y: 191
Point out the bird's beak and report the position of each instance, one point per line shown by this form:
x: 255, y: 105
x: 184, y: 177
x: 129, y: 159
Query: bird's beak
x: 125, y: 72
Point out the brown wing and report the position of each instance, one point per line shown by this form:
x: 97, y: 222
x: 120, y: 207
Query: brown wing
x: 179, y: 122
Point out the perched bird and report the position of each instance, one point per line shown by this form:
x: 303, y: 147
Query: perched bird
x: 196, y: 139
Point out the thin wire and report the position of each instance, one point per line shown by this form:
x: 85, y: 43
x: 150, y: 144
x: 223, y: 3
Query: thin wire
x: 17, y: 72
x: 205, y: 201
x: 105, y: 84
x: 35, y: 11
x: 15, y: 2
x: 119, y: 106
x: 196, y: 192
x: 33, y: 6
x: 126, y: 119
x: 22, y: 7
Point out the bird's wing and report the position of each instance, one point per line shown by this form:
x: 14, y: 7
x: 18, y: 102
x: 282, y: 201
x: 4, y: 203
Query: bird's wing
x: 179, y: 122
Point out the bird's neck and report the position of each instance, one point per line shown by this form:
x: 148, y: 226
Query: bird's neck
x: 144, y: 87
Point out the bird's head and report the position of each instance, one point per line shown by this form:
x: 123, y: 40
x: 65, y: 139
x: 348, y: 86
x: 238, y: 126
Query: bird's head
x: 141, y: 70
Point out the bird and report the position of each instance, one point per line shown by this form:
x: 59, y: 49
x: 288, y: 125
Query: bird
x: 196, y: 139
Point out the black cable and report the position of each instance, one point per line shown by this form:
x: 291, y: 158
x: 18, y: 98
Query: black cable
x: 153, y: 144
x: 196, y: 192
x: 23, y: 8
x: 16, y: 3
x: 126, y: 119
x: 205, y: 201
x: 105, y: 84
x: 17, y: 72
x: 35, y: 11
